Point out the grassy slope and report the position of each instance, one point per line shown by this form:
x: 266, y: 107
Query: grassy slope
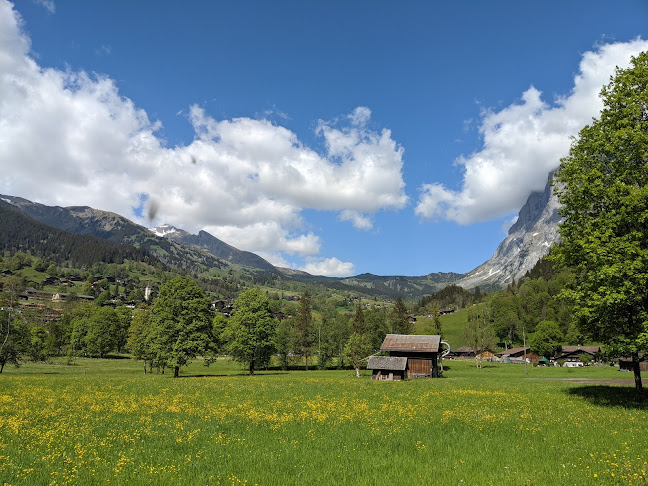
x: 103, y: 420
x: 452, y: 326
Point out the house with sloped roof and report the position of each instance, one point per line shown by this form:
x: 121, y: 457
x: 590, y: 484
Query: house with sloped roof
x: 421, y: 353
x: 573, y: 353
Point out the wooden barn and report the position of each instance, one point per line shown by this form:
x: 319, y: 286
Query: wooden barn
x: 421, y: 353
x: 387, y: 367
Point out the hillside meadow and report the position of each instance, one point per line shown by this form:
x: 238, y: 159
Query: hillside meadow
x: 105, y: 422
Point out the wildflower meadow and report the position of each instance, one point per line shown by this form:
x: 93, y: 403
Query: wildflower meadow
x: 105, y: 422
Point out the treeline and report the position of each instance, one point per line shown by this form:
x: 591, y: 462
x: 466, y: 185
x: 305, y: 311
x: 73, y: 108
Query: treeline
x: 452, y: 297
x: 183, y: 324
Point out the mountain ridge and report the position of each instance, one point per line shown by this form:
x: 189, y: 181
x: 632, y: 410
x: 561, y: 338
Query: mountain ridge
x: 528, y: 240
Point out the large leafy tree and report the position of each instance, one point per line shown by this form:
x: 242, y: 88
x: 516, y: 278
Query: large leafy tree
x: 546, y: 339
x: 250, y: 333
x: 602, y: 187
x: 182, y: 321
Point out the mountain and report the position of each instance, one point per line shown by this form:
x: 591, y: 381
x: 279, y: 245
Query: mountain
x: 528, y: 240
x: 84, y: 220
x: 19, y: 231
x: 214, y: 246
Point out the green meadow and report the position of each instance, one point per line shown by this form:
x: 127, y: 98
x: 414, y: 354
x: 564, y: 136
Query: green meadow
x: 105, y: 422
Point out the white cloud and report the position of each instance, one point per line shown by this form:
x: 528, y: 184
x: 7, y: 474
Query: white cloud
x: 358, y: 220
x: 72, y: 139
x: 48, y: 4
x: 330, y: 267
x: 523, y: 142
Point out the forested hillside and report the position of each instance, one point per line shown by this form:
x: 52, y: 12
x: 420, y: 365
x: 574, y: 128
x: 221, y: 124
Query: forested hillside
x: 20, y: 232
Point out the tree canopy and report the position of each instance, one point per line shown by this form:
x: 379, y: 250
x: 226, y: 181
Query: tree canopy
x: 250, y: 332
x: 182, y: 323
x: 602, y: 187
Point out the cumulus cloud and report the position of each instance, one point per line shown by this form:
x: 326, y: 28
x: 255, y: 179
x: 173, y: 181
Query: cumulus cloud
x: 71, y: 138
x: 331, y: 267
x: 358, y: 220
x: 523, y: 142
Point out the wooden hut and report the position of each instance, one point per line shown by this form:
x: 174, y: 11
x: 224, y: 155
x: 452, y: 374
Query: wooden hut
x: 387, y: 367
x: 422, y: 353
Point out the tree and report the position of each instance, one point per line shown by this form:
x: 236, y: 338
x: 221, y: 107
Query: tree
x: 358, y: 346
x: 250, y: 332
x: 547, y: 338
x: 139, y: 338
x: 303, y: 322
x: 479, y: 333
x: 399, y: 320
x: 102, y: 328
x: 182, y: 319
x: 284, y: 341
x: 602, y: 186
x: 16, y: 340
x: 434, y: 327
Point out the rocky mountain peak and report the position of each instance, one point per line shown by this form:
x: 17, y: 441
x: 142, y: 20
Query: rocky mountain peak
x: 528, y: 240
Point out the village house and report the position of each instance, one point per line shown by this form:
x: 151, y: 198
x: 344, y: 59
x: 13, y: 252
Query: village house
x: 573, y: 353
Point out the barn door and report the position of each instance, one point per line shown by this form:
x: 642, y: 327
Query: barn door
x: 420, y: 367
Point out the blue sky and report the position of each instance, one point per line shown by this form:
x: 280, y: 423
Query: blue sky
x: 396, y: 138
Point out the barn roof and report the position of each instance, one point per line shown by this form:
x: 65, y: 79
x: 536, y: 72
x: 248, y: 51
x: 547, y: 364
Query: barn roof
x: 584, y: 349
x: 387, y: 363
x: 408, y: 342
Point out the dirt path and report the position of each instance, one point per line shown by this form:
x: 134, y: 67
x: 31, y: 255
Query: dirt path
x: 593, y: 381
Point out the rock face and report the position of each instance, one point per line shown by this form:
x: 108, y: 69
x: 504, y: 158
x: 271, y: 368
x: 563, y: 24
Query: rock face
x: 214, y: 246
x: 528, y: 240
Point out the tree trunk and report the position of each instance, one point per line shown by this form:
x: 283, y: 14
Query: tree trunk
x: 637, y: 377
x: 306, y: 362
x: 144, y: 367
x: 2, y: 366
x: 176, y: 371
x: 357, y: 369
x: 251, y: 367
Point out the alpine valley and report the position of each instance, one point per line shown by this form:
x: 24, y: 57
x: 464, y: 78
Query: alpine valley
x: 528, y: 240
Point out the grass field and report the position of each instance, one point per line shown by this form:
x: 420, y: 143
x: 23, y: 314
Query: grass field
x: 105, y: 422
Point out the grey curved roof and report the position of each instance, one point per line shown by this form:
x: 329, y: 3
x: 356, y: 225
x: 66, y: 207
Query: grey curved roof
x: 387, y: 363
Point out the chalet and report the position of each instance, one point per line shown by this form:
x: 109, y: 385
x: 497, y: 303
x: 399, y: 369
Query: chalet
x: 626, y: 364
x: 573, y: 353
x: 463, y: 352
x: 421, y: 353
x: 516, y: 355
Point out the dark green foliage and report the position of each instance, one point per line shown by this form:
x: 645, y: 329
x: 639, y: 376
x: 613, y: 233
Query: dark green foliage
x: 602, y: 185
x: 546, y: 339
x: 453, y: 297
x: 250, y: 333
x: 182, y: 323
x: 14, y: 338
x: 399, y: 320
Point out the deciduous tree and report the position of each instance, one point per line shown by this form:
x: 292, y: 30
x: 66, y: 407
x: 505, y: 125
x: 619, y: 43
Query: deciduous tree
x: 602, y: 185
x: 182, y: 318
x: 250, y: 332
